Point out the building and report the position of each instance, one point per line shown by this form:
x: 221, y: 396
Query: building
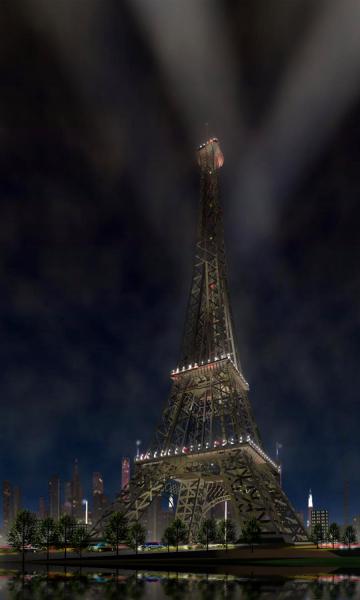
x: 11, y: 503
x: 320, y: 517
x: 54, y: 497
x: 300, y: 516
x: 356, y: 526
x: 7, y: 516
x: 125, y: 472
x: 16, y: 501
x: 309, y: 511
x: 67, y: 506
x: 346, y: 503
x: 42, y: 508
x: 156, y: 518
x: 76, y: 493
x: 98, y: 484
x: 99, y: 499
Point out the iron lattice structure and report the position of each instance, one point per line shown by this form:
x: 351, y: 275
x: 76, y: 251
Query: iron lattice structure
x: 208, y: 443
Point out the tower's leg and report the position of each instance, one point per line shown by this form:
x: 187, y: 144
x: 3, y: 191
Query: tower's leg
x: 147, y: 483
x: 256, y: 492
x: 190, y: 504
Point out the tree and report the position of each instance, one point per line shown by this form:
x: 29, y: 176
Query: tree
x: 317, y: 535
x: 180, y: 533
x: 168, y: 538
x: 23, y: 532
x: 116, y: 530
x: 251, y: 532
x: 47, y: 534
x: 207, y: 532
x: 226, y: 532
x: 66, y: 528
x: 334, y: 533
x: 349, y: 536
x: 136, y: 535
x: 80, y: 538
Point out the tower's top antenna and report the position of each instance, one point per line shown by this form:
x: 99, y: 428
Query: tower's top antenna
x: 210, y: 157
x: 310, y: 500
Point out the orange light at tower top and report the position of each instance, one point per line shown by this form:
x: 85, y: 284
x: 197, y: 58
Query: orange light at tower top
x: 210, y: 157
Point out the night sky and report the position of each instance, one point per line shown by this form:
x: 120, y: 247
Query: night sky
x: 102, y: 105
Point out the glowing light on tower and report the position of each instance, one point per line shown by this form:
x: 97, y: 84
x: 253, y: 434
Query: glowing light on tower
x: 310, y: 507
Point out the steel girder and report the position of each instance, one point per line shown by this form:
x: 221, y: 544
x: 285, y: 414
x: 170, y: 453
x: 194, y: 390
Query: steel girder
x: 234, y: 474
x: 208, y: 403
x: 209, y: 329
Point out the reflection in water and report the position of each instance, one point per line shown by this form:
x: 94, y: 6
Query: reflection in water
x: 72, y: 584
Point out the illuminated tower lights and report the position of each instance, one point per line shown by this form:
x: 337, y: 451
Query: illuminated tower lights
x: 310, y: 509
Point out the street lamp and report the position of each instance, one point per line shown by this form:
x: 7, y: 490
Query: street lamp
x: 86, y: 503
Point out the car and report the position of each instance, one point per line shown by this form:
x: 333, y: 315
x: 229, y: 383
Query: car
x: 152, y: 546
x: 100, y: 547
x: 30, y: 548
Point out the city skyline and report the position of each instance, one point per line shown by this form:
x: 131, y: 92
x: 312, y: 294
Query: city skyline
x: 63, y: 496
x: 98, y: 196
x: 54, y: 503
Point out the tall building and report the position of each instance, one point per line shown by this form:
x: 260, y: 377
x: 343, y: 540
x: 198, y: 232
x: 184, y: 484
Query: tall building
x: 356, y: 525
x: 76, y: 493
x: 207, y: 428
x: 309, y: 511
x: 16, y: 501
x: 54, y: 497
x: 320, y: 517
x: 156, y: 518
x: 67, y: 507
x: 42, y: 508
x: 98, y: 484
x: 346, y: 503
x: 300, y: 516
x: 125, y: 472
x: 7, y: 516
x: 99, y: 499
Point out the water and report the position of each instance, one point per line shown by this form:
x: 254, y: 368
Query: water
x: 73, y: 584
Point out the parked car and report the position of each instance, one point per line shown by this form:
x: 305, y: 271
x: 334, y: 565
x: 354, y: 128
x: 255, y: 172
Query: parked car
x: 100, y: 547
x: 31, y: 548
x: 152, y: 546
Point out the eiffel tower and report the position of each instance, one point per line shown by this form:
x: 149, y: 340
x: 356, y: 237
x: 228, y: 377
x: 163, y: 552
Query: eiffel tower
x: 207, y: 448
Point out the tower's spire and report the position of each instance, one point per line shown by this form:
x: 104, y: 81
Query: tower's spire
x: 209, y: 330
